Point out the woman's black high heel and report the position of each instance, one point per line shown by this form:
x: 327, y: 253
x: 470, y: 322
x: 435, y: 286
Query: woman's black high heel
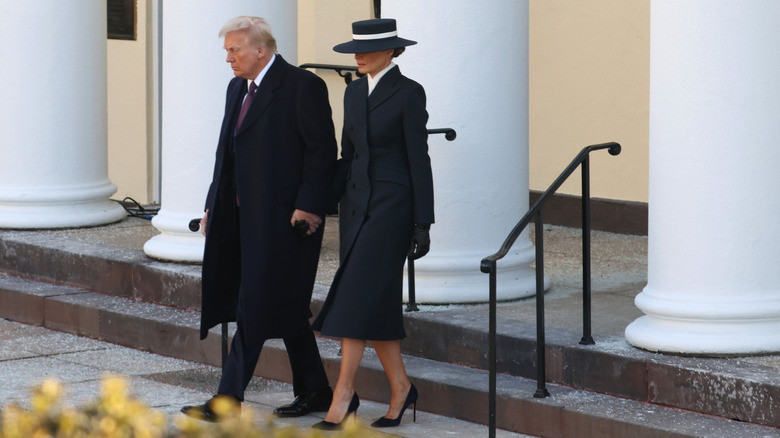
x: 352, y: 409
x: 411, y: 399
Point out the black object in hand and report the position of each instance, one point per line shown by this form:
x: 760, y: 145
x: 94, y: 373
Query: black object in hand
x: 421, y: 241
x: 301, y: 228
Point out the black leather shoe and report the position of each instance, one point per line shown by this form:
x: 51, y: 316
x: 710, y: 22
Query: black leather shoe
x: 204, y: 412
x: 306, y: 403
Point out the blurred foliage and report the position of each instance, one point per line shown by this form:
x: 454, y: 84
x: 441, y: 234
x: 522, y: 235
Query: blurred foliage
x: 116, y: 414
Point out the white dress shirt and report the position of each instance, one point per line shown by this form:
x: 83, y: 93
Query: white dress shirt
x: 372, y: 81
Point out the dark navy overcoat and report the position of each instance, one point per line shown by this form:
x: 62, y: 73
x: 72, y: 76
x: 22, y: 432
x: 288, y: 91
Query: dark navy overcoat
x: 282, y: 158
x: 387, y: 188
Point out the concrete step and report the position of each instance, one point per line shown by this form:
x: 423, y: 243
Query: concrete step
x: 93, y: 264
x: 446, y: 389
x: 738, y: 388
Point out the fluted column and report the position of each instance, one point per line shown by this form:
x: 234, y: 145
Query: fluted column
x: 713, y: 277
x: 53, y: 129
x: 195, y: 78
x: 473, y: 62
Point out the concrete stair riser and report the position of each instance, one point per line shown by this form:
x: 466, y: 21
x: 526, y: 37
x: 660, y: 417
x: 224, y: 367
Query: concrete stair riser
x: 460, y: 336
x: 121, y: 273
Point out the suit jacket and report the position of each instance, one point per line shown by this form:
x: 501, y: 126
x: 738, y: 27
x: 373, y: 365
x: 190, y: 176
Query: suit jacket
x: 282, y: 158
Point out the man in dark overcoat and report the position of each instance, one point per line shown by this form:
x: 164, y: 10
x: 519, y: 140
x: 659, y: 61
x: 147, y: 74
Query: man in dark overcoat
x: 264, y: 216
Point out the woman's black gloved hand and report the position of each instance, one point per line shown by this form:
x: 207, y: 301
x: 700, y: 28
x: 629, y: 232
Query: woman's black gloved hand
x: 421, y: 241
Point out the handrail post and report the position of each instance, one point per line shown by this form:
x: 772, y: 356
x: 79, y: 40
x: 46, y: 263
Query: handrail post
x: 492, y: 353
x: 541, y: 375
x: 587, y: 338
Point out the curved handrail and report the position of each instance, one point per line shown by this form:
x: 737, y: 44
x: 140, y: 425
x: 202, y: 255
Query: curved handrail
x: 345, y: 71
x: 449, y: 133
x: 614, y: 149
x: 489, y: 266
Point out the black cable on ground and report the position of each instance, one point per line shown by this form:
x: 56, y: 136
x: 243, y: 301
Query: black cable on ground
x: 134, y: 209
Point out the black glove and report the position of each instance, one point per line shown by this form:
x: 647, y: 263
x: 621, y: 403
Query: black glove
x: 301, y: 228
x: 421, y: 241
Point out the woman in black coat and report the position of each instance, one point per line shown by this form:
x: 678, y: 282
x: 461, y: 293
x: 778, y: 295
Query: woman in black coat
x: 385, y: 213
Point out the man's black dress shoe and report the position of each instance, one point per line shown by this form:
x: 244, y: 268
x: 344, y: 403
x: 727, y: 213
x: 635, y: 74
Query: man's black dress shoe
x: 306, y: 403
x: 205, y: 412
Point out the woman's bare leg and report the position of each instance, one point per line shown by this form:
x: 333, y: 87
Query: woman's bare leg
x: 389, y: 353
x: 351, y: 355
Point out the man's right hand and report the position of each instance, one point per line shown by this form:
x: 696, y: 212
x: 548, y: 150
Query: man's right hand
x: 203, y: 223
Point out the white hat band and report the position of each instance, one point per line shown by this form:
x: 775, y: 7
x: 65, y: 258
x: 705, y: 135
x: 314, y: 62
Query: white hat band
x: 375, y: 36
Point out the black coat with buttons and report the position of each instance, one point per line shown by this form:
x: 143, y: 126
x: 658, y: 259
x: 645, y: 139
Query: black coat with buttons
x: 388, y: 187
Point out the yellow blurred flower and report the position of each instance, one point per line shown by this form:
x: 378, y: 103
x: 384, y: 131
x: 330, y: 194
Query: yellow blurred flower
x: 116, y: 414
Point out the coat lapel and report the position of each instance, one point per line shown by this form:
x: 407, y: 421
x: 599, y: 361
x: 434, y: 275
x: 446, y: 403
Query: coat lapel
x: 359, y: 104
x: 384, y: 89
x: 265, y: 93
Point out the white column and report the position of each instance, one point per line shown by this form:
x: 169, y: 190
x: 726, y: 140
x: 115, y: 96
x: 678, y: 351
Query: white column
x: 195, y: 78
x: 53, y: 129
x: 473, y: 62
x: 714, y: 241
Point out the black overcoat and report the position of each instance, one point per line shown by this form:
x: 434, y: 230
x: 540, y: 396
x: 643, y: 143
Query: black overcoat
x: 388, y: 187
x: 285, y: 155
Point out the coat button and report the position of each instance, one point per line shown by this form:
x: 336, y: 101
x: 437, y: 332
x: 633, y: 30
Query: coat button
x: 357, y: 156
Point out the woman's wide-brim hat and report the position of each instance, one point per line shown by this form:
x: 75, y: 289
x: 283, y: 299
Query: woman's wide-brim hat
x: 373, y: 36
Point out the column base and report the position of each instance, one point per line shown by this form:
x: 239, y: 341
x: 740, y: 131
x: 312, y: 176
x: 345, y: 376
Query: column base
x: 29, y: 217
x: 175, y: 242
x: 450, y: 280
x: 74, y: 206
x: 705, y: 338
x: 734, y: 323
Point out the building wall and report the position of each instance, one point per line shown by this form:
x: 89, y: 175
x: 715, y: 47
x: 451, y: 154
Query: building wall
x: 589, y: 83
x: 129, y: 143
x: 322, y: 25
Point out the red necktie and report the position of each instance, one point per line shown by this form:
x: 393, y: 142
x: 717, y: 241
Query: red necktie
x: 247, y: 102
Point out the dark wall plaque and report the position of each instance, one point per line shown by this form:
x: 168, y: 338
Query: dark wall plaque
x: 122, y: 19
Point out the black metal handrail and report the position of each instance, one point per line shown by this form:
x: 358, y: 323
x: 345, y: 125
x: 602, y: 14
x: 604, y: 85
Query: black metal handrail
x: 489, y: 266
x: 411, y: 304
x: 345, y: 71
x: 449, y: 133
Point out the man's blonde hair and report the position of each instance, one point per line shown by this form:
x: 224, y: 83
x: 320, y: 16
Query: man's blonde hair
x: 258, y: 31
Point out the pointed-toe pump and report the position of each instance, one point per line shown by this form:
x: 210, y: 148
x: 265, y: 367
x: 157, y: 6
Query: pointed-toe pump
x: 352, y: 409
x: 411, y: 399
